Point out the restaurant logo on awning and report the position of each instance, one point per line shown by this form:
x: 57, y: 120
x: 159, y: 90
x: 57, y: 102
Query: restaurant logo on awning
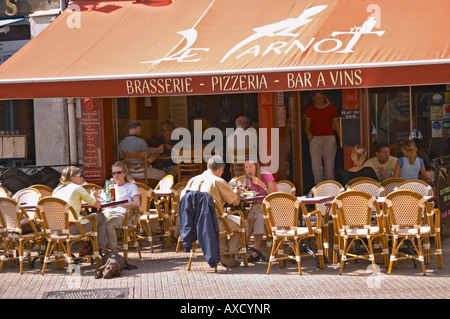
x: 285, y: 40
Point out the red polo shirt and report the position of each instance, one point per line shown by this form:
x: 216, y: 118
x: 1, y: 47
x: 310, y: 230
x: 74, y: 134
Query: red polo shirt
x: 322, y: 119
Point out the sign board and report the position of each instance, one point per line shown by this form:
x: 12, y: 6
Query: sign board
x: 443, y: 192
x: 21, y: 8
x: 13, y: 146
x: 91, y: 119
x: 350, y: 127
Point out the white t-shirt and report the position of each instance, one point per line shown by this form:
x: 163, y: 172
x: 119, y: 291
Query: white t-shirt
x: 383, y: 171
x: 127, y: 191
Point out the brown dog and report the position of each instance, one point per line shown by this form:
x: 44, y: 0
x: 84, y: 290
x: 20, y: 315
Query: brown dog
x: 112, y: 265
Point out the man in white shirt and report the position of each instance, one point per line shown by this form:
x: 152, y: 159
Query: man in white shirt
x: 383, y: 164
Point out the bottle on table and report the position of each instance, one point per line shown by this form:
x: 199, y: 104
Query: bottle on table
x: 107, y: 191
x: 112, y: 190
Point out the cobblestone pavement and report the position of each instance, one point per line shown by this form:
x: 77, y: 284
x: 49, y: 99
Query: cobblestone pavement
x: 164, y: 275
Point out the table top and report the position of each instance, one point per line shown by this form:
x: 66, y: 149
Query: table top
x: 104, y: 204
x: 315, y: 199
x: 250, y: 199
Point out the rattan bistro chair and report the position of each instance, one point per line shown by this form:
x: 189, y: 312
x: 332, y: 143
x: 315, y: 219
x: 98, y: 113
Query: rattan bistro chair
x: 174, y: 203
x: 391, y: 183
x: 54, y: 215
x: 236, y: 216
x: 43, y: 189
x: 411, y: 219
x: 358, y: 179
x: 352, y: 221
x: 28, y: 197
x: 4, y: 192
x: 15, y: 240
x: 128, y: 231
x: 286, y: 186
x: 152, y: 212
x: 416, y: 185
x: 327, y: 188
x: 281, y: 213
x: 369, y: 186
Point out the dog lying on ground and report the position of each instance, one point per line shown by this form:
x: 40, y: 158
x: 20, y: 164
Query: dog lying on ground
x: 112, y: 265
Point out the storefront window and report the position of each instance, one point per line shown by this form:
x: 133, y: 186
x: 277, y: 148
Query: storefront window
x: 420, y: 113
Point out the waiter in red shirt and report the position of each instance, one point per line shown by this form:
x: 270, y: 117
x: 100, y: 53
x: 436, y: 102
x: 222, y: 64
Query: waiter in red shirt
x: 322, y: 119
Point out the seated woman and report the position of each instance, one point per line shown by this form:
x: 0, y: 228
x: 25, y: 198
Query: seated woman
x: 358, y: 157
x: 410, y: 166
x: 124, y: 190
x: 262, y: 183
x: 72, y: 191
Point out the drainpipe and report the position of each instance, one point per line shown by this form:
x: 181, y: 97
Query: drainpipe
x: 72, y: 131
x: 62, y: 5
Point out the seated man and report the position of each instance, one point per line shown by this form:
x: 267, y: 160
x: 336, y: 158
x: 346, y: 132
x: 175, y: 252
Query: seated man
x: 383, y: 164
x: 133, y: 143
x: 168, y: 165
x: 211, y: 182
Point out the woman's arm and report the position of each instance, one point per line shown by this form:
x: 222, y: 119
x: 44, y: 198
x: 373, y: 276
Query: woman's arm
x: 397, y: 170
x: 423, y: 172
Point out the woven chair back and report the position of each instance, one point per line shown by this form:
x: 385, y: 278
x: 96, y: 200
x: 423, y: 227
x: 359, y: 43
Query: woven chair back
x: 43, y: 189
x: 9, y: 213
x: 166, y: 183
x: 354, y: 208
x: 391, y: 183
x: 358, y: 179
x: 286, y: 186
x: 93, y: 189
x: 326, y: 188
x: 282, y: 210
x: 405, y: 208
x: 417, y: 186
x: 373, y: 188
x: 55, y: 214
x: 27, y: 196
x: 4, y: 192
x: 144, y: 190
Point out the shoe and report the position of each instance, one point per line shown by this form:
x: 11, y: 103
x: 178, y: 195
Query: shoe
x: 228, y: 261
x: 86, y: 250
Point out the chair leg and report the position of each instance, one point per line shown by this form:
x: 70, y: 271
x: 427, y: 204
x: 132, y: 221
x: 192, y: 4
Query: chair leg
x: 192, y: 256
x: 272, y: 254
x: 297, y: 256
x: 438, y: 249
x: 179, y: 242
x: 420, y: 255
x: 371, y: 255
x: 344, y: 255
x: 393, y: 253
x: 47, y: 257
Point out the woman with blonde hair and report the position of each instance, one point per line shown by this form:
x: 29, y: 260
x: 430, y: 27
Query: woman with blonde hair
x: 72, y: 191
x: 410, y: 166
x: 358, y: 156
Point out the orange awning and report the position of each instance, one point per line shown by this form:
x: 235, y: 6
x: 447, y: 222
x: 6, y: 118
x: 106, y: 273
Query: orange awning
x: 185, y: 47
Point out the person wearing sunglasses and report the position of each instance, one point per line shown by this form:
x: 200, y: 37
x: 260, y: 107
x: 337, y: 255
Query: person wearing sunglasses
x: 124, y: 190
x: 71, y: 190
